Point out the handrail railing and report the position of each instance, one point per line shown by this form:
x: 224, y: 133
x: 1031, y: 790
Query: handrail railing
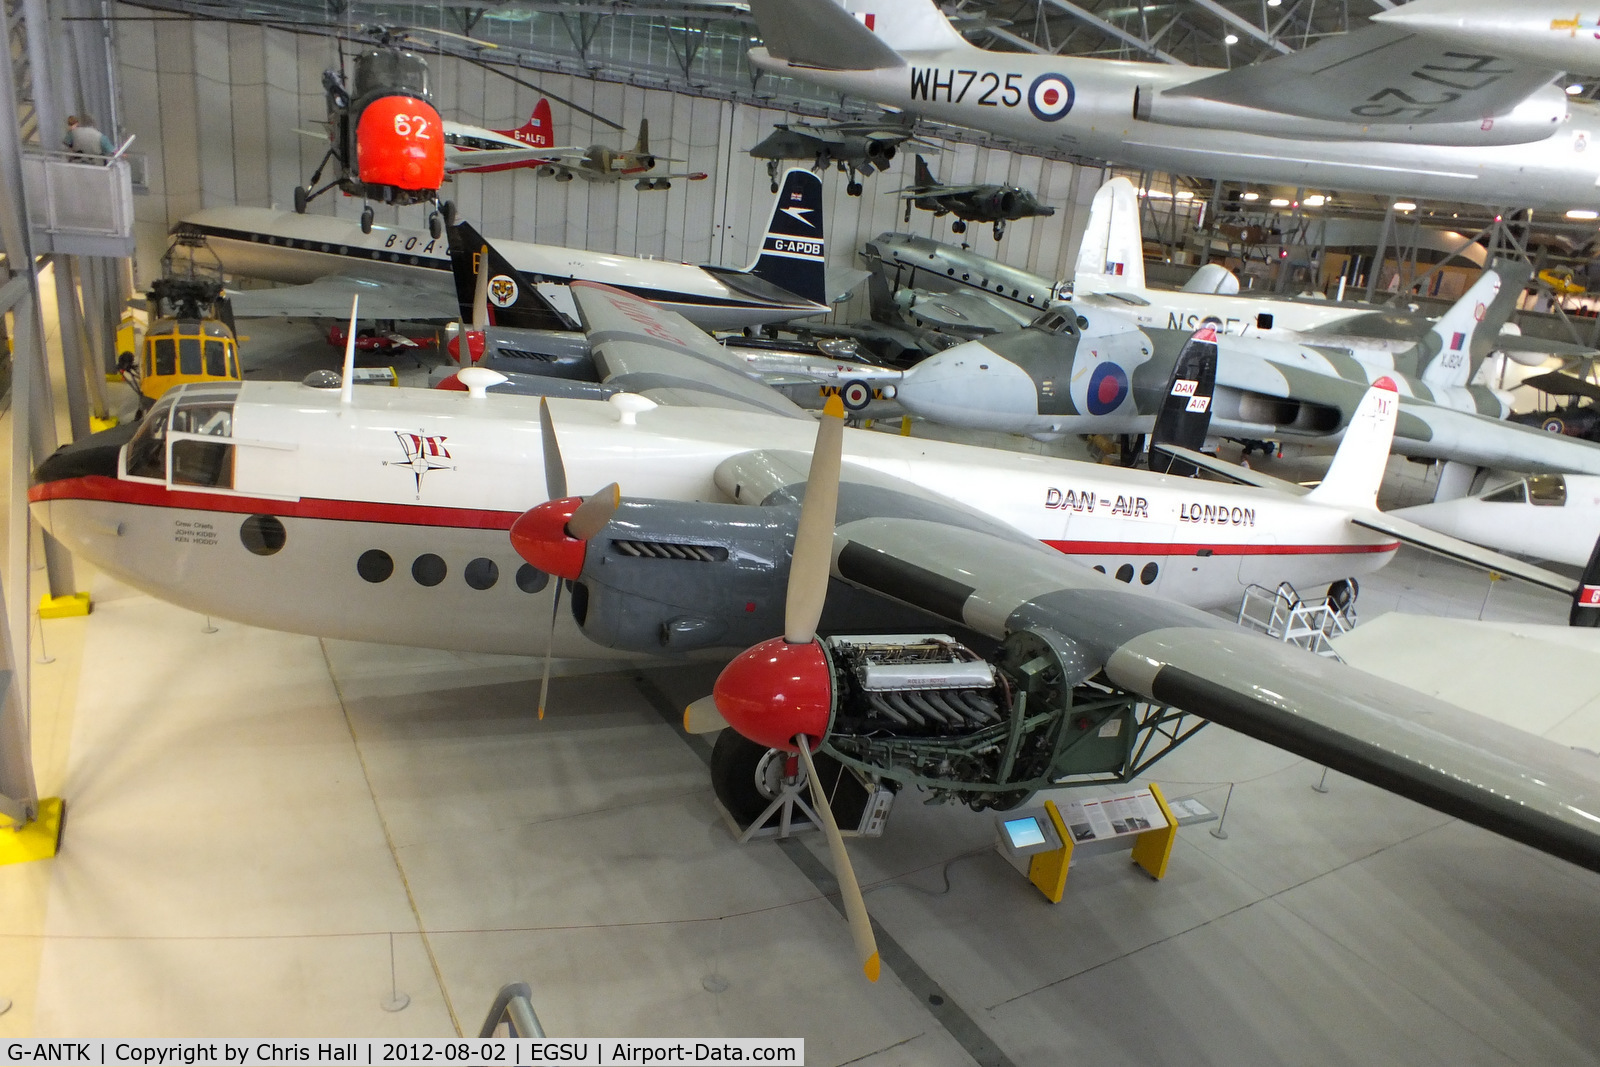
x: 513, y: 1008
x: 1280, y: 613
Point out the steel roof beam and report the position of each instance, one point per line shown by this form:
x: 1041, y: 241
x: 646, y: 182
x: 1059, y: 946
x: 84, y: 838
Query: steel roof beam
x: 1115, y: 31
x: 1243, y: 24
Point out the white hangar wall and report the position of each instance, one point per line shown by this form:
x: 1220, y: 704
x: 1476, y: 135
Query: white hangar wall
x: 216, y: 107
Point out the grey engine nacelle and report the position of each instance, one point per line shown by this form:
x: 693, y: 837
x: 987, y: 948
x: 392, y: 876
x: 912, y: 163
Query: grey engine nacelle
x: 668, y: 577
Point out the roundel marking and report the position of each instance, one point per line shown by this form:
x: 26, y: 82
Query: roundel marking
x: 1108, y: 388
x: 855, y: 395
x: 1479, y: 312
x: 1554, y: 426
x: 1050, y: 97
x: 502, y: 291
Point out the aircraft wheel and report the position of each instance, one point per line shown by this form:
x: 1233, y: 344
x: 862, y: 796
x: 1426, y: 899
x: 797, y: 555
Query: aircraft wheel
x: 366, y: 219
x: 853, y: 189
x: 774, y: 187
x: 856, y: 395
x: 664, y: 183
x: 435, y: 225
x: 958, y: 226
x: 449, y: 209
x: 301, y: 199
x: 999, y: 230
x: 745, y: 776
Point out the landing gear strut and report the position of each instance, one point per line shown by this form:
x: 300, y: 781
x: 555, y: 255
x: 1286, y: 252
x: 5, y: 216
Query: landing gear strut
x: 366, y: 218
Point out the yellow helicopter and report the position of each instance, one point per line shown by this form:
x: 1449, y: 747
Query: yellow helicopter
x: 190, y: 337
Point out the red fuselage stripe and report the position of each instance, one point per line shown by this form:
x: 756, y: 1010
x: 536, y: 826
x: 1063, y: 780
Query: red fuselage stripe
x: 97, y: 487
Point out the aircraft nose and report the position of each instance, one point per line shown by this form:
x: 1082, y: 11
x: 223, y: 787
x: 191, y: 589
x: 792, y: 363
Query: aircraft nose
x: 95, y: 455
x: 968, y: 385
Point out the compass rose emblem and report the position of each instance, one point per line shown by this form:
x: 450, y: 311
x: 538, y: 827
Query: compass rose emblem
x: 423, y: 454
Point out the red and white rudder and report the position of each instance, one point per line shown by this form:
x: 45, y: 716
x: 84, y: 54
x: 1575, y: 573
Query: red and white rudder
x: 1357, y: 469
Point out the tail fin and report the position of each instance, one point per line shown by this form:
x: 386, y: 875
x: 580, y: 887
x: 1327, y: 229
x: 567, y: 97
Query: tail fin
x: 1185, y: 415
x: 643, y: 146
x: 539, y: 131
x: 1357, y: 468
x: 792, y: 253
x: 513, y: 299
x: 1586, y: 603
x: 1452, y: 350
x: 907, y: 25
x: 819, y: 33
x: 1111, y: 258
x: 924, y: 175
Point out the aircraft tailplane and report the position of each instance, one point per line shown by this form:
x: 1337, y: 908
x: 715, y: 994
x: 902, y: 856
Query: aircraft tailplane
x: 1111, y: 258
x: 792, y: 253
x: 514, y: 300
x: 924, y: 174
x: 1464, y: 334
x: 1185, y: 416
x: 1357, y: 469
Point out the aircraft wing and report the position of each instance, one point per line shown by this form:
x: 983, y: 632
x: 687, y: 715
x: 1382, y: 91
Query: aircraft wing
x: 329, y: 298
x: 932, y: 553
x: 458, y: 159
x: 1379, y: 74
x: 659, y: 355
x: 1233, y: 471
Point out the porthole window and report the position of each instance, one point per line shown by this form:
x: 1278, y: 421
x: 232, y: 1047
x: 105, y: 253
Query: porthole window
x: 1099, y: 568
x: 429, y: 569
x: 1125, y: 573
x: 375, y: 565
x: 531, y: 579
x: 481, y: 573
x: 1148, y: 573
x: 262, y: 534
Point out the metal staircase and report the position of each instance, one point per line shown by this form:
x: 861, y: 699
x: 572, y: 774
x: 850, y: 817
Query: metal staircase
x: 1283, y: 615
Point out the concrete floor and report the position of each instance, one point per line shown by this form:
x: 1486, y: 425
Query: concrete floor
x: 263, y: 827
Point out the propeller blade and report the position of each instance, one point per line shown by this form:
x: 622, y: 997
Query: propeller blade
x: 549, y: 649
x: 555, y: 473
x: 813, y: 539
x: 702, y: 717
x: 480, y: 294
x: 594, y: 512
x: 855, y: 907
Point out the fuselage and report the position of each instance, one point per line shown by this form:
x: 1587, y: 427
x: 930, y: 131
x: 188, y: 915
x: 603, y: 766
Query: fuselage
x: 477, y: 139
x: 285, y: 247
x: 1547, y: 516
x: 386, y: 520
x: 1095, y: 118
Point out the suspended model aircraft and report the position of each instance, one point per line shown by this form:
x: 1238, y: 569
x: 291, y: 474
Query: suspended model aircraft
x: 1379, y: 109
x: 856, y: 148
x: 600, y: 163
x: 475, y: 150
x: 989, y: 202
x: 405, y: 274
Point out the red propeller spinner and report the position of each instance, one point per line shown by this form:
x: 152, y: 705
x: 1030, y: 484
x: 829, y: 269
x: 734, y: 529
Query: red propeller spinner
x: 540, y: 536
x: 776, y: 690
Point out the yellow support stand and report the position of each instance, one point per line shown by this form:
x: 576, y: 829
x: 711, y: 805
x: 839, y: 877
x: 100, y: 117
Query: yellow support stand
x: 905, y: 425
x: 1048, y: 870
x: 107, y: 423
x: 37, y: 840
x: 1153, y: 849
x: 63, y: 607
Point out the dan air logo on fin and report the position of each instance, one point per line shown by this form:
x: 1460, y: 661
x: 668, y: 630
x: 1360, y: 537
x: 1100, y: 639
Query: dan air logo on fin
x: 1185, y: 387
x: 502, y: 291
x: 423, y: 453
x: 1590, y: 597
x: 1198, y: 404
x: 1050, y: 97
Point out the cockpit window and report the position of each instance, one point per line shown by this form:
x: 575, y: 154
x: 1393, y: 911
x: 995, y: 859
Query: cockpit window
x: 200, y: 410
x: 1054, y: 322
x: 147, y: 451
x: 1515, y: 493
x: 166, y: 353
x: 1548, y: 490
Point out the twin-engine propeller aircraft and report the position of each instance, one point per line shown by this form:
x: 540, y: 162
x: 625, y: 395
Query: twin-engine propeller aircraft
x: 986, y: 202
x: 1379, y: 109
x: 406, y: 274
x: 383, y: 515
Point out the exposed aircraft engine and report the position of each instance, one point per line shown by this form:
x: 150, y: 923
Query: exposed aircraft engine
x: 924, y: 710
x: 880, y: 152
x: 1002, y: 203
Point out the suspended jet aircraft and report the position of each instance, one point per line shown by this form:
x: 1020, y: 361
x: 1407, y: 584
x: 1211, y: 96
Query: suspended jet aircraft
x: 856, y: 148
x: 1379, y: 109
x: 988, y: 202
x: 601, y: 163
x: 405, y: 274
x: 1545, y: 516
